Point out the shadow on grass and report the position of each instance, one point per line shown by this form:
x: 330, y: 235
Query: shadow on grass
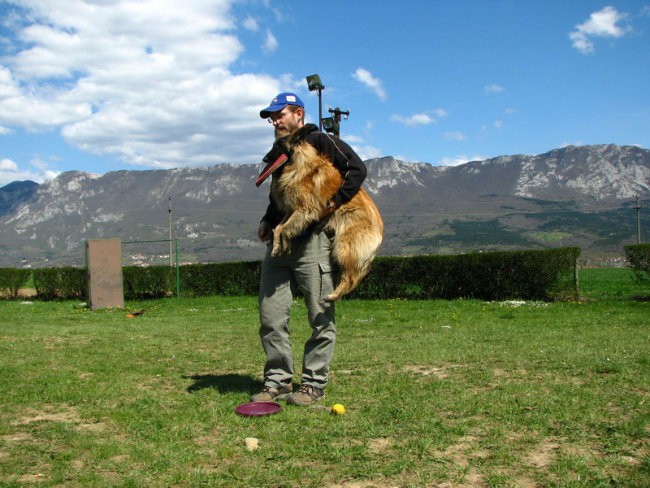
x: 225, y: 383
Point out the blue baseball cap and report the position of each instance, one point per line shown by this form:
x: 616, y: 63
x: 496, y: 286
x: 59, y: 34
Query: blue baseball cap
x: 280, y: 101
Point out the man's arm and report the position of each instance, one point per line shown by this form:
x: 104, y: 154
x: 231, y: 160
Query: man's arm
x: 347, y: 161
x: 271, y: 218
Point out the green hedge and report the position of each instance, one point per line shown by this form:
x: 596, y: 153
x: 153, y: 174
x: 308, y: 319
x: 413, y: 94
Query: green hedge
x: 148, y: 282
x: 60, y: 283
x: 529, y: 275
x: 638, y: 258
x: 237, y: 278
x: 13, y: 279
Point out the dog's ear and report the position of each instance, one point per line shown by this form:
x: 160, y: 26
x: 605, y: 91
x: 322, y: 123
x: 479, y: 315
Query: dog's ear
x: 275, y: 152
x: 299, y: 134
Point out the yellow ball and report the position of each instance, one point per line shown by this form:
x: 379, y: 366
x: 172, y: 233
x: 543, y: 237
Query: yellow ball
x: 338, y: 409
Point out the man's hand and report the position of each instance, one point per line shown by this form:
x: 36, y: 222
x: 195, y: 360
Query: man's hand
x: 264, y: 231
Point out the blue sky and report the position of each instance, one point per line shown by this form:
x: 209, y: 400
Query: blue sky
x: 105, y: 85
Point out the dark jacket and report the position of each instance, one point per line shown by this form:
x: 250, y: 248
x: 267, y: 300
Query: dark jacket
x: 343, y: 157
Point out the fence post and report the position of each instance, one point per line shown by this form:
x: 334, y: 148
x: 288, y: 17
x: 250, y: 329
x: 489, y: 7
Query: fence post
x: 178, y: 271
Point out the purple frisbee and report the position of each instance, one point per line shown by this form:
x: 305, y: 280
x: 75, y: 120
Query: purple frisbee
x: 258, y: 409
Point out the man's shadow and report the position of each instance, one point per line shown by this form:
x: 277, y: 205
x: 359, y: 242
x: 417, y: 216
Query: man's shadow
x: 224, y: 383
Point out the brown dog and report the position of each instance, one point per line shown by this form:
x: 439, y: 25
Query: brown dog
x: 301, y: 190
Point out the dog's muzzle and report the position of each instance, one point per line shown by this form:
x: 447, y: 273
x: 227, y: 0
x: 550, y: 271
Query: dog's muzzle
x: 274, y: 159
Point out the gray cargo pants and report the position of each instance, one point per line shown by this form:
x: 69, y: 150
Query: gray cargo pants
x: 308, y: 267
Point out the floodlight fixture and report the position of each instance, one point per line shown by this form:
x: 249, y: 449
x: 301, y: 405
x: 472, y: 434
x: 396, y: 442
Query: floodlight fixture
x: 329, y: 124
x: 314, y: 84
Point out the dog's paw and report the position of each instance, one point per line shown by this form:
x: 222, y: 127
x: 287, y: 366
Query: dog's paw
x: 285, y: 246
x: 281, y: 245
x: 332, y: 297
x: 280, y: 252
x: 276, y: 250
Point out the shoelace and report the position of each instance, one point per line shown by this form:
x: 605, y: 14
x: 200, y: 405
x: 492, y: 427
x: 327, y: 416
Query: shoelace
x: 308, y: 389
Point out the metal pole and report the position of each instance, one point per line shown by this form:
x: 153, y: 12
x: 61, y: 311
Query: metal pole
x: 169, y: 210
x: 320, y: 109
x: 178, y: 272
x: 638, y: 221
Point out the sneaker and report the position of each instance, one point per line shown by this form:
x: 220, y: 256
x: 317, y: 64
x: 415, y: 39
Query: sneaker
x: 306, y: 395
x: 269, y: 393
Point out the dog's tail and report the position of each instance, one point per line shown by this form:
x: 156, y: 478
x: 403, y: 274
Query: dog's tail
x: 350, y: 279
x: 354, y: 257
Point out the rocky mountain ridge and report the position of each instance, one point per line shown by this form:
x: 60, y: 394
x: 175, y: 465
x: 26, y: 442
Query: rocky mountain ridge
x: 577, y: 195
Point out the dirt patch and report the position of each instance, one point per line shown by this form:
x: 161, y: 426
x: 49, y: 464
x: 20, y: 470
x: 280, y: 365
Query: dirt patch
x: 363, y: 484
x: 32, y: 478
x: 544, y: 454
x: 459, y: 454
x: 63, y: 414
x: 93, y: 427
x: 471, y: 479
x: 49, y: 414
x: 17, y: 437
x: 379, y: 445
x: 440, y: 373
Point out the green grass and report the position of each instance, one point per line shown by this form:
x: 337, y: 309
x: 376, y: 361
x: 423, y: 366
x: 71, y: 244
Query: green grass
x: 612, y: 284
x: 438, y: 393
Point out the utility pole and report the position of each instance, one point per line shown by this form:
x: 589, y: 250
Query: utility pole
x: 333, y: 124
x: 169, y: 225
x: 315, y: 84
x: 637, y: 207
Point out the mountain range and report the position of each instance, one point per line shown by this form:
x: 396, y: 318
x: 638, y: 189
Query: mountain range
x: 582, y: 196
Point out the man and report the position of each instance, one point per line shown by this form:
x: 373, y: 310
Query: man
x: 308, y: 267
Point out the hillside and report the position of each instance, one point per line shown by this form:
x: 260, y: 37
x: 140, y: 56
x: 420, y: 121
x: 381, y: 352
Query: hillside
x: 577, y: 195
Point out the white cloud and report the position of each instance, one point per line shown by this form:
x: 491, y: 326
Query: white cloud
x: 250, y: 24
x: 367, y: 152
x: 486, y: 128
x: 575, y: 143
x: 352, y: 139
x: 458, y: 160
x: 455, y: 136
x: 359, y: 145
x: 365, y: 77
x: 422, y: 118
x: 270, y: 43
x: 413, y: 120
x: 10, y: 171
x: 604, y: 23
x: 493, y: 89
x: 8, y: 165
x: 148, y: 82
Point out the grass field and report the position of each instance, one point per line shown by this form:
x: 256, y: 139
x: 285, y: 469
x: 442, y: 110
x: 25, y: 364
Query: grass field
x: 438, y: 394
